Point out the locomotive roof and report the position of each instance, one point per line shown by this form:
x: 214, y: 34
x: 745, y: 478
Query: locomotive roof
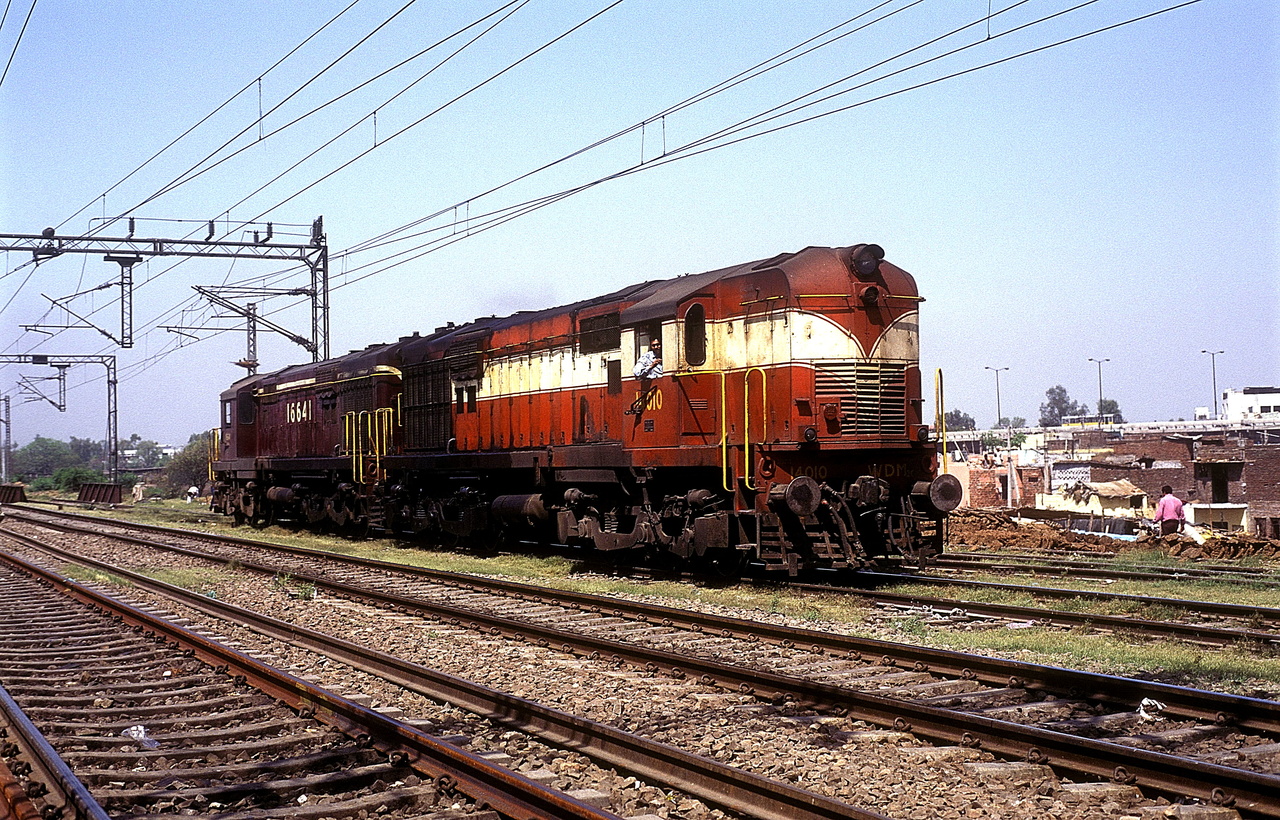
x: 646, y: 301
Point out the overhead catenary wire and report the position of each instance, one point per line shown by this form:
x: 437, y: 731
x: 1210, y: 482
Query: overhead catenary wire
x: 484, y: 222
x: 17, y: 42
x: 530, y: 55
x: 307, y: 84
x: 249, y: 85
x: 517, y: 4
x: 760, y: 68
x: 703, y: 145
x: 332, y: 100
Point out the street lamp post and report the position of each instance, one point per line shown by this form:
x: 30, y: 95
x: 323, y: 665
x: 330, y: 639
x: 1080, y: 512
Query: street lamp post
x: 999, y: 415
x: 1099, y: 361
x: 1213, y: 366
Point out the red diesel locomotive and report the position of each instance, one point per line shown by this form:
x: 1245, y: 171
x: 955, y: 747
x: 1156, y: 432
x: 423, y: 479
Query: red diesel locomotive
x: 784, y: 424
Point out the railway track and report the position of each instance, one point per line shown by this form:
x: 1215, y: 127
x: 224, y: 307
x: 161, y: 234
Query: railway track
x: 1013, y: 709
x: 110, y: 711
x: 752, y: 796
x: 1209, y: 622
x: 1206, y: 623
x: 1044, y: 565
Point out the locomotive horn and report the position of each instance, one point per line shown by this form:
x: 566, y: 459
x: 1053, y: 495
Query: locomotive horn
x: 864, y: 260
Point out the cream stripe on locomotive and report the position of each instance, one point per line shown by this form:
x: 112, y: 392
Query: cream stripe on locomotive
x: 792, y: 336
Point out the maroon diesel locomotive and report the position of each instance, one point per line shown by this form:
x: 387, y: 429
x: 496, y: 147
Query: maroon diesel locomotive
x: 769, y: 411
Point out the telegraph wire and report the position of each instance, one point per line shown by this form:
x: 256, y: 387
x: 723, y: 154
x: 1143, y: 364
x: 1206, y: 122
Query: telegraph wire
x: 502, y: 215
x: 347, y: 93
x: 182, y: 178
x: 210, y: 115
x: 443, y: 106
x: 16, y: 43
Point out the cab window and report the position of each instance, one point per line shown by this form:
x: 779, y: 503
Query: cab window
x: 695, y: 335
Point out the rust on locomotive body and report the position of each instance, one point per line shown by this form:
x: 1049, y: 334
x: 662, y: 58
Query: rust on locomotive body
x: 784, y: 424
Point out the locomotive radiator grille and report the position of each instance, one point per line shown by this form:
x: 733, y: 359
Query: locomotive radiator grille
x: 428, y: 406
x: 871, y: 394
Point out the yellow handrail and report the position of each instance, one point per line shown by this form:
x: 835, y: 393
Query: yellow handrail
x: 724, y: 422
x: 746, y: 420
x: 213, y: 449
x: 350, y: 440
x: 362, y: 430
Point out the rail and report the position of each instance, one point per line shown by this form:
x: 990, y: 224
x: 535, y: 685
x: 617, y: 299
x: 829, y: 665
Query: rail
x: 1256, y: 794
x: 506, y: 792
x: 749, y: 794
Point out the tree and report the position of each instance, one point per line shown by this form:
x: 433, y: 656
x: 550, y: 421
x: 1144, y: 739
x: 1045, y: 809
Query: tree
x: 1111, y: 407
x: 190, y: 466
x: 959, y: 420
x: 150, y: 454
x: 43, y: 457
x: 1016, y: 421
x: 87, y: 450
x: 995, y: 441
x: 1059, y: 405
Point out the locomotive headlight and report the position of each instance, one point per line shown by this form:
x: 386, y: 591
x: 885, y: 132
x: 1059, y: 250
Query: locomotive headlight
x: 811, y: 434
x: 922, y: 433
x: 864, y: 260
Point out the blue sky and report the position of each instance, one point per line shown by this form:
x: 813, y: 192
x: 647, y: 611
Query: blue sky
x: 1113, y: 197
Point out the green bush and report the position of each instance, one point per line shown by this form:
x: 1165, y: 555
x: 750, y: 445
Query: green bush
x: 69, y: 479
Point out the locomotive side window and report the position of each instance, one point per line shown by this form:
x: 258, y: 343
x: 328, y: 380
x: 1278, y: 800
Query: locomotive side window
x: 246, y: 410
x: 226, y: 413
x: 459, y: 400
x: 614, y: 376
x: 599, y: 333
x: 471, y: 398
x: 695, y: 335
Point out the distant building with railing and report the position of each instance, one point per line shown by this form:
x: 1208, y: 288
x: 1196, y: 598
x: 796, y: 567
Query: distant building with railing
x: 1251, y: 404
x: 1227, y: 472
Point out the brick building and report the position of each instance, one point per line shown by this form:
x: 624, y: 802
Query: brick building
x: 1229, y: 478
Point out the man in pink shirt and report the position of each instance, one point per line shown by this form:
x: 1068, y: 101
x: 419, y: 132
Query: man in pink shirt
x: 1169, y: 512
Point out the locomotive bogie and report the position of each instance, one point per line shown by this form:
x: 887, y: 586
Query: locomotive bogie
x: 785, y: 426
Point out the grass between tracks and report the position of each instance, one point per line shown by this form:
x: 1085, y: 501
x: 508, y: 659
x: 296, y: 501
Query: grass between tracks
x: 1246, y: 669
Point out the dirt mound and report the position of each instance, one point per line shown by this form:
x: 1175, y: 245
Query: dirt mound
x: 1235, y: 545
x: 996, y: 530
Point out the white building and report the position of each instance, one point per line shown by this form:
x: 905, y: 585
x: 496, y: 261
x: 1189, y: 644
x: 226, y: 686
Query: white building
x: 1251, y: 403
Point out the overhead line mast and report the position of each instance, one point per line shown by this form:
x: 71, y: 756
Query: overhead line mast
x: 128, y: 250
x: 61, y: 363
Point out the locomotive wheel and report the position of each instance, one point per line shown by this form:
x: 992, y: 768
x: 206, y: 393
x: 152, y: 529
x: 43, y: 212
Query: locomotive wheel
x: 726, y: 562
